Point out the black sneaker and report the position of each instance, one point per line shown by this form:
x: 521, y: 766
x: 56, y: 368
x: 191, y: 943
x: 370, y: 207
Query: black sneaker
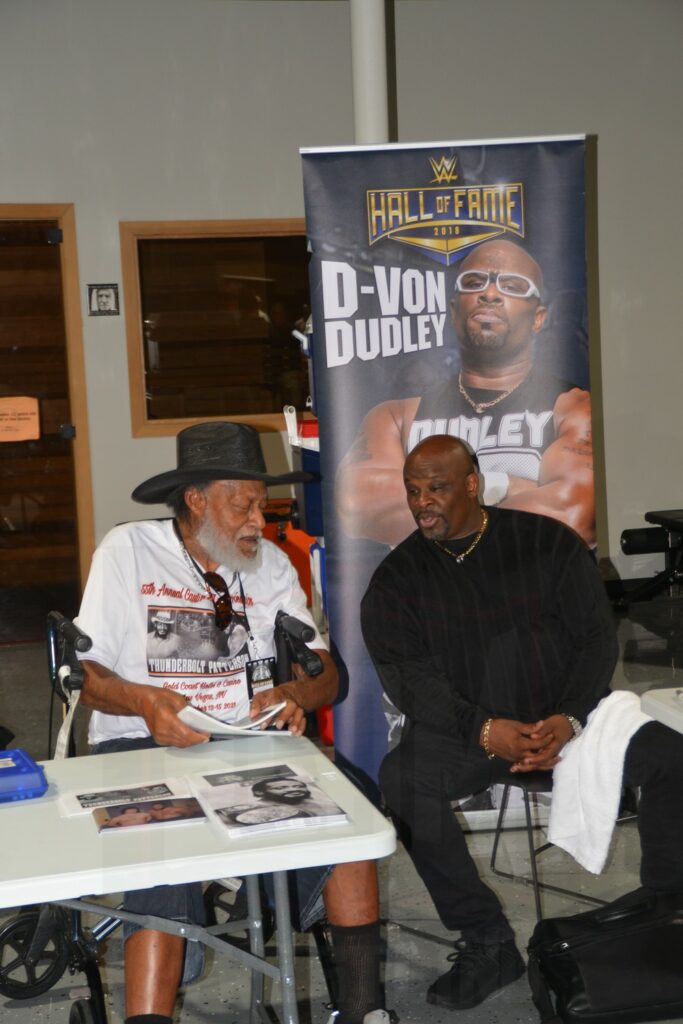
x: 478, y: 971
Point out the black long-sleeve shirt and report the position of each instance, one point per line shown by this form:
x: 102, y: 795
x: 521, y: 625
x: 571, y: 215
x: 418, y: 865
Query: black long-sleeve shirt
x: 521, y: 629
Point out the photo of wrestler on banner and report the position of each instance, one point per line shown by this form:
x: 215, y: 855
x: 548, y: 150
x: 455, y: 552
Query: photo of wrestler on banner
x: 531, y: 430
x: 448, y: 287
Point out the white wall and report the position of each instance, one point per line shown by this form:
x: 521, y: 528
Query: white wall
x: 182, y: 109
x: 161, y: 109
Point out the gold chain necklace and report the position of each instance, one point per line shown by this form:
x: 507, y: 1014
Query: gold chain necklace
x: 468, y: 551
x: 480, y: 406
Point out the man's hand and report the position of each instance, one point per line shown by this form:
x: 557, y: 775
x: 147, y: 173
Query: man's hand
x: 510, y: 740
x: 160, y: 709
x: 292, y: 715
x: 532, y: 746
x: 303, y: 693
x: 106, y: 691
x: 552, y: 734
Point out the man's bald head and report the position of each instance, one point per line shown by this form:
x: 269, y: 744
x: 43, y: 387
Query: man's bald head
x: 442, y: 488
x: 443, y: 446
x: 495, y: 325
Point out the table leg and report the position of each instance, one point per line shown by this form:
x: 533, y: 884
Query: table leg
x: 290, y: 1013
x: 256, y: 945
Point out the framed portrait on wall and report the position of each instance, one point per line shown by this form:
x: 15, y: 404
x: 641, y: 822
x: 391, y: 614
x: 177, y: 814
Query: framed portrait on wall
x: 103, y: 300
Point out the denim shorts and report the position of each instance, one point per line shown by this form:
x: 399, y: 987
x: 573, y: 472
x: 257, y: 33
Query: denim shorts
x: 185, y: 902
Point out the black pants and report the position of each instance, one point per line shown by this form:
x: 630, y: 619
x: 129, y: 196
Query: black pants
x: 421, y: 777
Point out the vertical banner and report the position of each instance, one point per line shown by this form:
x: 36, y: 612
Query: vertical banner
x: 448, y: 295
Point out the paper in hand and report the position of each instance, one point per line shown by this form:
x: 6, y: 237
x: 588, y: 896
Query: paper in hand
x: 203, y: 722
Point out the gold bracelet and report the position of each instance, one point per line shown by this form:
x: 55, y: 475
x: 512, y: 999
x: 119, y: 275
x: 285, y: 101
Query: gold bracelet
x: 485, y: 739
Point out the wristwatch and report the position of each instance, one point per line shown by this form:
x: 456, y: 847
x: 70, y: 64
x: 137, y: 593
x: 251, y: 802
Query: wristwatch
x: 575, y: 724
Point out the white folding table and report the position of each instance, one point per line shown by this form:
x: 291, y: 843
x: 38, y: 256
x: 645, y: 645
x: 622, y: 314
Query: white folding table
x: 49, y: 858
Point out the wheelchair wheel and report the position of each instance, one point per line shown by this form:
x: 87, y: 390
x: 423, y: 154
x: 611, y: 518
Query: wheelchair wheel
x: 225, y: 906
x: 20, y: 979
x: 82, y: 1012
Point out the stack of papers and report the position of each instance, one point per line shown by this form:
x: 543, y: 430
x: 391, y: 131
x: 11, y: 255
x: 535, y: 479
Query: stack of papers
x: 203, y: 722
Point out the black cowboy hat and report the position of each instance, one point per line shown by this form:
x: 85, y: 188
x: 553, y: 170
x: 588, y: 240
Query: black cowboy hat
x: 213, y: 451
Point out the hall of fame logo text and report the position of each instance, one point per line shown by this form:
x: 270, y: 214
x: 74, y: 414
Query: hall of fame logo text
x: 444, y: 219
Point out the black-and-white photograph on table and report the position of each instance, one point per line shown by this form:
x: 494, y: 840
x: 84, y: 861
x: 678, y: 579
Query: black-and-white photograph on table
x: 267, y: 799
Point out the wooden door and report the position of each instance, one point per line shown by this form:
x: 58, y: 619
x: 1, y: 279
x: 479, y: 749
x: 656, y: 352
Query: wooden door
x: 46, y: 534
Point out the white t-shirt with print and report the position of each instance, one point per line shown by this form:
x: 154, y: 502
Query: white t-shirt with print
x: 139, y: 570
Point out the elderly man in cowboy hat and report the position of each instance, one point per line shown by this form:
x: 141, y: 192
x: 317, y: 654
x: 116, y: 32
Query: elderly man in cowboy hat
x: 209, y: 567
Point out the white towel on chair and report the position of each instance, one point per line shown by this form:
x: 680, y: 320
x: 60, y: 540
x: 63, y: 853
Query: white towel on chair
x: 587, y: 781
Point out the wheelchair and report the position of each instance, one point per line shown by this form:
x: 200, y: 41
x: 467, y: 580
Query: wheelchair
x: 40, y: 943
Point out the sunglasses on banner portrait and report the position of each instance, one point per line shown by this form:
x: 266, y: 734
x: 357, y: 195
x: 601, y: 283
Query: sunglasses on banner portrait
x: 516, y: 286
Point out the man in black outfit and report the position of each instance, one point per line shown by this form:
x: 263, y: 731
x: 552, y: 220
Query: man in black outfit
x: 491, y: 632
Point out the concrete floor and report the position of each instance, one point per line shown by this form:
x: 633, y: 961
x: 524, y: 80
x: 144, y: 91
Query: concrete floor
x: 651, y: 641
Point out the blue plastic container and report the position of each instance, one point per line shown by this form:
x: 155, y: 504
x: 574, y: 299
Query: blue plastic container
x: 20, y: 777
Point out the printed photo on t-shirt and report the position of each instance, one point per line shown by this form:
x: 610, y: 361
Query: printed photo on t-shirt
x: 162, y: 640
x: 187, y: 641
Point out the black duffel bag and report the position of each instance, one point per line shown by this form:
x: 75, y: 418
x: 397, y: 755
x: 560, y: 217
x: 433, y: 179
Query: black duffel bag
x: 619, y: 964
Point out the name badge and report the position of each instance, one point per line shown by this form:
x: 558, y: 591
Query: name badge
x: 260, y: 675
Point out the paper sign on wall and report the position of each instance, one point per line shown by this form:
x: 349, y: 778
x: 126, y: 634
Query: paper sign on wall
x: 19, y: 419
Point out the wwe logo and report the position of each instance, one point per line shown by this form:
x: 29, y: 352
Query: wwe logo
x: 444, y: 169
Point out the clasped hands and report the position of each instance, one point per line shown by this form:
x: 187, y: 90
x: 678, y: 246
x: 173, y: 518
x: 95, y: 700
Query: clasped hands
x: 531, y: 747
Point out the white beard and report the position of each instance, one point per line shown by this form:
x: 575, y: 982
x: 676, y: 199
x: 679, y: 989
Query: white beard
x: 224, y: 551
